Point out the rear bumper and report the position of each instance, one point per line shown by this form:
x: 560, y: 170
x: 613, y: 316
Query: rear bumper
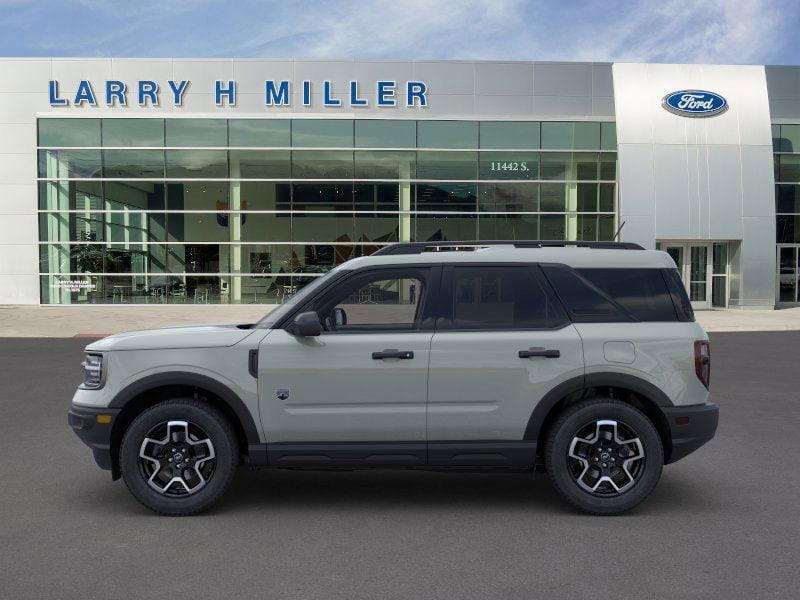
x: 690, y: 427
x: 93, y: 432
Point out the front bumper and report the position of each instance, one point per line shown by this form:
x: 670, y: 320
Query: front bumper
x: 690, y: 427
x: 93, y: 426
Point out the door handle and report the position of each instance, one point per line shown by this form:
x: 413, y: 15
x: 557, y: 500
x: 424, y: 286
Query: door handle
x: 531, y: 352
x: 401, y: 354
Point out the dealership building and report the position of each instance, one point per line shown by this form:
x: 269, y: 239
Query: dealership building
x: 152, y: 181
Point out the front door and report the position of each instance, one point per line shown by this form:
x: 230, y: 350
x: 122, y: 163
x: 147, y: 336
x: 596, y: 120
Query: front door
x: 694, y: 265
x: 359, y: 390
x: 502, y: 343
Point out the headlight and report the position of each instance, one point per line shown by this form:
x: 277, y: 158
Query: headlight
x: 93, y: 371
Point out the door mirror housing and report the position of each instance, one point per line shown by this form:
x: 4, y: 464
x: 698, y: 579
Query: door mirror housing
x: 306, y: 324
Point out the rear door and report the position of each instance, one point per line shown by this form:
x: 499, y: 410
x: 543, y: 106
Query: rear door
x: 502, y: 342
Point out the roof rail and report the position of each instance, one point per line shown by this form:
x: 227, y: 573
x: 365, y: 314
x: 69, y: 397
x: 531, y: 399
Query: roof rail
x: 420, y: 247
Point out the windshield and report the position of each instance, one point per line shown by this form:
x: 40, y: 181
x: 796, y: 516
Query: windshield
x: 298, y: 297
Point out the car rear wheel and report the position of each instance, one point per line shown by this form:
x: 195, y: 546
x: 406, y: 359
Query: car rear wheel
x: 604, y: 456
x: 179, y: 456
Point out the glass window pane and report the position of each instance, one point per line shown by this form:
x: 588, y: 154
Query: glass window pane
x: 447, y: 134
x: 557, y: 135
x: 133, y: 132
x: 322, y: 164
x: 62, y: 164
x: 197, y: 132
x: 460, y: 197
x: 789, y: 170
x: 553, y: 197
x: 587, y: 197
x: 608, y: 136
x: 385, y: 165
x: 509, y: 134
x: 508, y: 197
x: 509, y: 165
x: 502, y: 298
x: 197, y: 163
x: 198, y: 195
x: 508, y: 227
x: 447, y: 165
x: 263, y: 195
x: 382, y: 196
x: 607, y: 197
x: 134, y: 195
x: 322, y: 197
x: 266, y: 227
x: 720, y: 262
x: 135, y: 226
x: 443, y: 227
x: 788, y: 229
x: 69, y: 132
x: 643, y: 292
x: 608, y: 166
x: 198, y: 258
x: 64, y: 227
x: 585, y: 166
x: 147, y: 164
x: 260, y: 164
x: 380, y: 133
x: 556, y: 165
x: 264, y: 133
x: 322, y: 227
x: 198, y: 227
x: 386, y: 304
x: 587, y: 228
x: 322, y: 133
x: 198, y: 290
x: 776, y: 138
x: 587, y: 136
x: 605, y: 228
x: 790, y: 138
x: 552, y: 227
x: 787, y: 198
x: 377, y: 227
x: 70, y: 195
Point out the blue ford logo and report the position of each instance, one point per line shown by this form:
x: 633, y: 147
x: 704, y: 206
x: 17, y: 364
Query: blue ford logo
x: 695, y: 103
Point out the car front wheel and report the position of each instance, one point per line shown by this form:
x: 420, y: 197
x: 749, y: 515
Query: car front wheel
x: 179, y: 456
x: 604, y: 456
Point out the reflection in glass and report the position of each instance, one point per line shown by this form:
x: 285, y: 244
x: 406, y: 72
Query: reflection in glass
x: 322, y: 164
x: 65, y: 133
x: 198, y: 195
x: 445, y: 227
x: 447, y: 134
x: 197, y: 164
x: 259, y: 133
x: 447, y: 165
x: 385, y: 164
x: 322, y: 133
x: 198, y: 133
x: 322, y: 196
x: 133, y: 132
x: 509, y: 134
x: 460, y: 197
x: 70, y: 195
x: 132, y: 164
x: 508, y: 197
x: 384, y: 133
x: 508, y: 227
x: 322, y: 227
x: 63, y: 164
x: 260, y: 164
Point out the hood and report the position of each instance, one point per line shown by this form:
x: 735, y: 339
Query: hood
x: 205, y: 336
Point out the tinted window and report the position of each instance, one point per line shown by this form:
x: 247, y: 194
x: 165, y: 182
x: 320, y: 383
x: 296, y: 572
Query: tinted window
x: 642, y: 292
x: 501, y: 298
x: 585, y: 302
x: 678, y: 292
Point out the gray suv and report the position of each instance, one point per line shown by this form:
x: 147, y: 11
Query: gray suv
x: 580, y: 359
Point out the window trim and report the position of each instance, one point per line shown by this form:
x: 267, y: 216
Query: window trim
x: 444, y: 316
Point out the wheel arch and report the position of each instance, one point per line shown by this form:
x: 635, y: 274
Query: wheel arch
x: 619, y: 386
x: 148, y: 391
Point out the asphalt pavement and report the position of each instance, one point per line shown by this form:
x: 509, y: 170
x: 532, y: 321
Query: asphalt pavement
x: 722, y: 523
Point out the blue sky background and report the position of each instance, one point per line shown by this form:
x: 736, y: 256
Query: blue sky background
x: 683, y: 31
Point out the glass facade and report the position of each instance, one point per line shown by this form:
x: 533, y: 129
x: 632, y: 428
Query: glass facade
x: 786, y: 148
x: 248, y: 210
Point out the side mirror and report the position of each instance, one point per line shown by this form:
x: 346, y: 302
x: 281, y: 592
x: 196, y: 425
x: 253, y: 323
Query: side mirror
x: 306, y: 324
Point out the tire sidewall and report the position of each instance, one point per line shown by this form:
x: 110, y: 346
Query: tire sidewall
x: 225, y: 449
x: 578, y: 417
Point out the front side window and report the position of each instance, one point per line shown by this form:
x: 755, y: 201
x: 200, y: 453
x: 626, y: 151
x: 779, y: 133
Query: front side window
x: 380, y: 301
x: 501, y: 298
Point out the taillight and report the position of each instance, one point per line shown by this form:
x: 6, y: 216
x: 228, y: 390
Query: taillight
x: 702, y: 361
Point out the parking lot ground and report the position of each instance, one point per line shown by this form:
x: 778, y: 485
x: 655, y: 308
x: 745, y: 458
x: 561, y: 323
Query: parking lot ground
x: 723, y: 523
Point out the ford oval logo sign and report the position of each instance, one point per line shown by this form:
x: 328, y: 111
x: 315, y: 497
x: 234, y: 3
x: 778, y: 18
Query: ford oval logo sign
x: 695, y: 103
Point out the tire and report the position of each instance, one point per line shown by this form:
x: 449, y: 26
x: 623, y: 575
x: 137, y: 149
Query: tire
x: 604, y: 477
x: 184, y: 432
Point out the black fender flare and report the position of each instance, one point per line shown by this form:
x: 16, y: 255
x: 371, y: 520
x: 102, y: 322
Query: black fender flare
x: 187, y: 378
x: 583, y: 382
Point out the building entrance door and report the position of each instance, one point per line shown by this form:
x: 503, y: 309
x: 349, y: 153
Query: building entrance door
x: 788, y: 274
x: 696, y: 267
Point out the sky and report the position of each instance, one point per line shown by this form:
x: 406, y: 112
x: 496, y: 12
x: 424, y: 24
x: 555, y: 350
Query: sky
x: 680, y: 31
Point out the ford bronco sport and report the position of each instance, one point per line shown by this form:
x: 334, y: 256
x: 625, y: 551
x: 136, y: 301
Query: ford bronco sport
x: 581, y: 359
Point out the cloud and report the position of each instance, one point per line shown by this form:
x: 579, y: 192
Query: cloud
x: 714, y: 31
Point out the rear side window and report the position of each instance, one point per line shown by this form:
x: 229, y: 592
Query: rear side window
x: 678, y: 292
x: 642, y: 292
x: 585, y: 302
x: 501, y: 298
